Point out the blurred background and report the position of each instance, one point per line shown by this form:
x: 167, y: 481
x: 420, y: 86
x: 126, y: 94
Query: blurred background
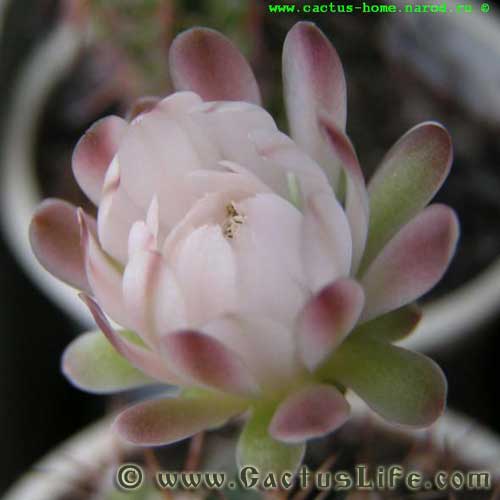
x: 65, y: 63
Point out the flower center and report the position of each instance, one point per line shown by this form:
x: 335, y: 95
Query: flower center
x: 233, y: 220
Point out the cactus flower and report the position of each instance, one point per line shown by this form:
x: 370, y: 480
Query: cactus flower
x: 253, y: 270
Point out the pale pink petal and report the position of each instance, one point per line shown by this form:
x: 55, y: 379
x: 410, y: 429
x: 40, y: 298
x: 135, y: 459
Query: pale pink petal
x: 204, y: 266
x: 314, y: 83
x: 55, y: 239
x: 206, y: 62
x: 184, y: 107
x: 145, y: 360
x: 408, y: 178
x: 202, y: 360
x: 326, y: 242
x: 160, y: 148
x: 309, y: 413
x: 267, y: 247
x: 165, y: 421
x: 94, y: 153
x: 153, y: 218
x: 357, y: 206
x: 155, y: 154
x: 282, y: 157
x: 207, y: 210
x: 179, y: 104
x: 116, y: 216
x: 143, y: 235
x: 327, y: 319
x: 229, y: 126
x: 152, y: 297
x: 412, y: 262
x: 140, y: 239
x: 236, y: 168
x: 266, y: 347
x: 203, y: 182
x: 104, y: 275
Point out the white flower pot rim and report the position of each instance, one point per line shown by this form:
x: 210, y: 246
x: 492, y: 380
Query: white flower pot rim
x: 3, y: 9
x: 20, y: 192
x: 478, y: 447
x: 445, y: 320
x: 51, y: 476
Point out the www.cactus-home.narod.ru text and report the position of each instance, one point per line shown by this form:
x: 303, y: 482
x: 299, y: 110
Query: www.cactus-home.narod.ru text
x: 368, y: 8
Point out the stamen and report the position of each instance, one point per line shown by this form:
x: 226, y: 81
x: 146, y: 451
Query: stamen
x: 234, y: 219
x: 231, y: 209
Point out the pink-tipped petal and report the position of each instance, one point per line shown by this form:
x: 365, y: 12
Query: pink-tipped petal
x: 204, y: 361
x: 393, y: 326
x: 91, y: 363
x: 152, y: 297
x: 104, y: 276
x: 266, y: 347
x: 309, y: 413
x: 314, y: 83
x: 357, y: 206
x: 145, y: 360
x: 412, y: 262
x: 206, y: 62
x: 142, y: 105
x: 55, y: 239
x: 165, y: 421
x: 402, y: 386
x: 409, y: 176
x: 94, y: 153
x: 326, y: 320
x: 326, y: 241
